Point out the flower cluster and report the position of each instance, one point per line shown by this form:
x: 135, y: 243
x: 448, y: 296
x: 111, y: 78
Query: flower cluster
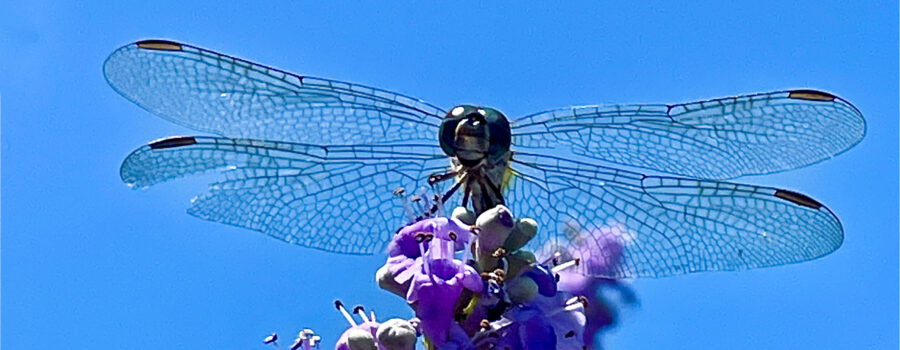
x: 473, y: 286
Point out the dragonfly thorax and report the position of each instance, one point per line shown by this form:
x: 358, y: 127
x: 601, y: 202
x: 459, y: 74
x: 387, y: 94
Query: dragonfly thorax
x: 482, y: 184
x: 472, y: 134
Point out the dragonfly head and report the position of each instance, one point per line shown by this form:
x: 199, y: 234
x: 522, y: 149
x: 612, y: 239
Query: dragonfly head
x: 472, y: 133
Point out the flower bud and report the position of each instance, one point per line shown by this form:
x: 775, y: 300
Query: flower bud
x: 523, y: 231
x: 387, y: 281
x: 495, y: 226
x: 396, y: 334
x: 518, y: 261
x: 358, y: 339
x: 521, y: 290
x: 465, y: 215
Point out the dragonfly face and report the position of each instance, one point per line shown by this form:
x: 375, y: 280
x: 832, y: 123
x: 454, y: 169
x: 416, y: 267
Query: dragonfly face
x: 477, y: 139
x: 314, y: 161
x: 472, y: 134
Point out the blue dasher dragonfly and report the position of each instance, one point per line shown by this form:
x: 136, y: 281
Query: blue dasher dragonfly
x: 313, y: 162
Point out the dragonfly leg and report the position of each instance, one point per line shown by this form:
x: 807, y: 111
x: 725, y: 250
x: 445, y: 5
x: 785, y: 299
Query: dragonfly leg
x: 451, y: 191
x: 466, y: 191
x: 435, y: 178
x: 483, y: 199
x: 495, y: 190
x: 439, y: 201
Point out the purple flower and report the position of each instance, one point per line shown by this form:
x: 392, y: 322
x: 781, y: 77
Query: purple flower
x: 566, y: 314
x: 404, y: 250
x: 516, y: 303
x: 521, y: 328
x: 406, y: 241
x: 358, y: 336
x: 544, y: 279
x: 436, y: 288
x: 423, y: 263
x: 600, y: 250
x: 600, y: 253
x: 545, y: 323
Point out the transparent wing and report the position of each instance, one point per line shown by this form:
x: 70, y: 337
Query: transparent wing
x: 335, y: 198
x: 211, y: 92
x: 720, y: 138
x: 666, y: 225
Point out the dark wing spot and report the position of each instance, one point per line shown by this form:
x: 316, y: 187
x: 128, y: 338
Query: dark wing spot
x: 570, y: 334
x: 798, y: 198
x: 811, y: 95
x: 163, y: 45
x: 170, y: 142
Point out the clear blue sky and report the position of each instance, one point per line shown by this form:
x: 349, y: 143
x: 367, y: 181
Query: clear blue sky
x: 88, y: 263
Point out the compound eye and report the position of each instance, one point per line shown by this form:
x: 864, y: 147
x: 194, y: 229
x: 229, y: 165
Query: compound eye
x: 458, y: 111
x: 475, y: 119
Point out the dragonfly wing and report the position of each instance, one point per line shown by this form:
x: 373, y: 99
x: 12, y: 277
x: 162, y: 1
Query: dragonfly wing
x: 667, y: 225
x: 719, y: 139
x: 335, y: 198
x: 211, y: 92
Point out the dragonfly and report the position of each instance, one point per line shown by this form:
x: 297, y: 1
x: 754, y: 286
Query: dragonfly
x: 314, y: 161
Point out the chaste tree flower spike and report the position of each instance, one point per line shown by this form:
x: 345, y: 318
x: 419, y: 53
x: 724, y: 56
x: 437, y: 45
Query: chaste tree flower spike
x: 473, y: 285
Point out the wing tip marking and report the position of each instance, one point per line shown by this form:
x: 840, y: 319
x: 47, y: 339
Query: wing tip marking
x: 156, y: 44
x: 171, y: 142
x: 798, y: 198
x: 811, y: 95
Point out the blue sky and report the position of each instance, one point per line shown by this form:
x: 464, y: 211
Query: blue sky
x: 88, y: 263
